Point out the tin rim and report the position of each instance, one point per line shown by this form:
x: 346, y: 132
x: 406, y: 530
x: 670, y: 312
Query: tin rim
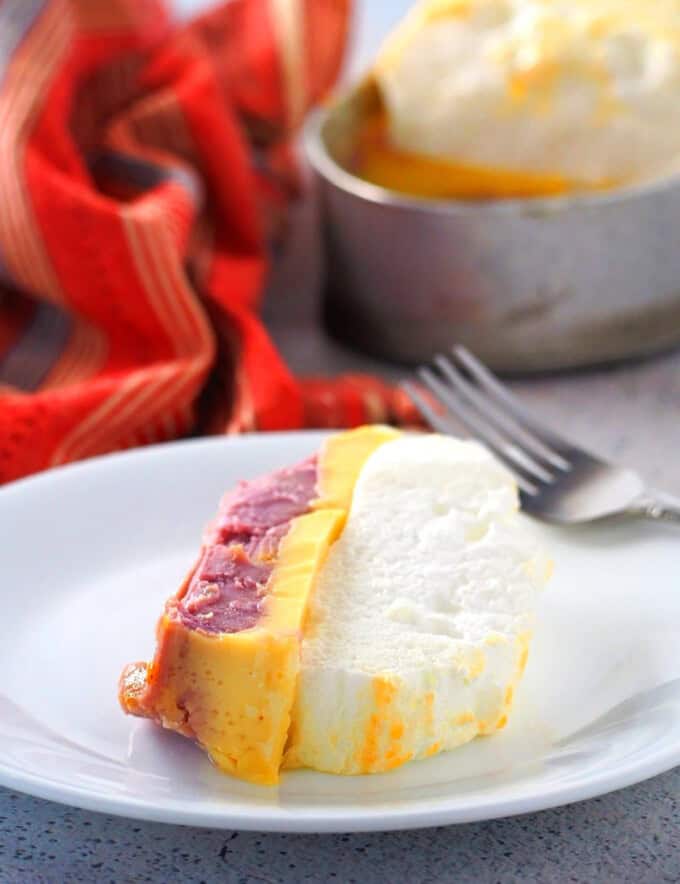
x: 324, y: 164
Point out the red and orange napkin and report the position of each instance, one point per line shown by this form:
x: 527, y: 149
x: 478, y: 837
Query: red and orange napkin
x: 144, y: 171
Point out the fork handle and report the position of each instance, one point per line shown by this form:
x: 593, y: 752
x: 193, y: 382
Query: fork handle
x: 658, y: 506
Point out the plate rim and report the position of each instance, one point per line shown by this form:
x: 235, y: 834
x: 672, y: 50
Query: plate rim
x: 345, y: 821
x: 419, y: 813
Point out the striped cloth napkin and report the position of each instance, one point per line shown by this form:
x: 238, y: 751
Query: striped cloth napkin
x: 145, y: 171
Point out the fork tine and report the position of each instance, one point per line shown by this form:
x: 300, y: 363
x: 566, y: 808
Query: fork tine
x: 528, y: 474
x: 502, y: 395
x: 437, y: 421
x: 498, y: 415
x: 479, y: 424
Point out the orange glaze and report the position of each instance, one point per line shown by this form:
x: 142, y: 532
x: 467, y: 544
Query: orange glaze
x: 523, y: 659
x: 432, y: 749
x: 381, y: 749
x: 429, y: 710
x: 377, y: 161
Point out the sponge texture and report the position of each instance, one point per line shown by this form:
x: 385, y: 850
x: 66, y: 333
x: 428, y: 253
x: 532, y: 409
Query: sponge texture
x: 418, y: 627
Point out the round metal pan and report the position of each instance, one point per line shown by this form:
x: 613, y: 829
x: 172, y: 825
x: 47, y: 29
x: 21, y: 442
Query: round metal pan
x: 528, y: 285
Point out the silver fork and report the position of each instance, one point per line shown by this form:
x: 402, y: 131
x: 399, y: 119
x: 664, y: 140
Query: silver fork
x: 558, y: 480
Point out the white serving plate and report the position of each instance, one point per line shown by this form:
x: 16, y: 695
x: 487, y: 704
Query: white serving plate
x: 88, y: 553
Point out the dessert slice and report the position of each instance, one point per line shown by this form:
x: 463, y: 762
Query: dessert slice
x: 368, y: 606
x: 418, y: 629
x: 227, y: 658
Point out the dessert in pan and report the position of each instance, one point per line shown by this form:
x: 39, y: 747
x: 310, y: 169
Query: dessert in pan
x: 485, y: 99
x: 367, y: 607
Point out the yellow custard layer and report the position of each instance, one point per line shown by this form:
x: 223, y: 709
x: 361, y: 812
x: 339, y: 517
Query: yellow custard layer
x: 234, y: 692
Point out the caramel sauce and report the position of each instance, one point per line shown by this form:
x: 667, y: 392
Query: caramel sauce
x: 377, y: 161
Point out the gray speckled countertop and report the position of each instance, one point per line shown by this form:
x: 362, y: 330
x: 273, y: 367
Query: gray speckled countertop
x: 631, y: 835
x: 631, y: 413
